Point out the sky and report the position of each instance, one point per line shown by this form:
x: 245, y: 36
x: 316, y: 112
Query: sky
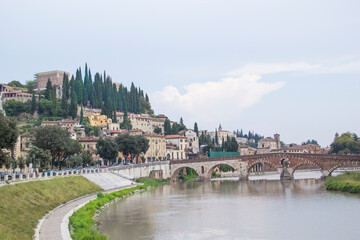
x: 269, y: 66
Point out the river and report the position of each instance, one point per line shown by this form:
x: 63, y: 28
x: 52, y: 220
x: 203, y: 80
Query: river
x: 261, y: 209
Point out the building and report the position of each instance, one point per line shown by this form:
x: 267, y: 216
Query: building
x: 241, y: 140
x: 17, y: 96
x: 193, y: 140
x: 176, y: 147
x: 221, y: 135
x: 56, y: 78
x: 266, y: 145
x: 88, y: 143
x: 144, y: 122
x: 157, y: 148
x: 97, y: 120
x: 5, y: 88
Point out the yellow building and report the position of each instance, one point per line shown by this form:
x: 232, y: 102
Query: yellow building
x: 157, y: 148
x: 97, y: 120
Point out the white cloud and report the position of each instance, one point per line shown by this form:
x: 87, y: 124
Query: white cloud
x: 268, y: 68
x: 343, y: 65
x: 220, y: 100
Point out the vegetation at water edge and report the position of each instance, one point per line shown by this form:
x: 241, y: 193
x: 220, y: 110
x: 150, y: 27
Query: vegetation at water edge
x: 348, y: 182
x: 82, y: 221
x: 22, y: 205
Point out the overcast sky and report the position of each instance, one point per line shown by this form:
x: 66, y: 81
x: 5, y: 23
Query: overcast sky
x: 287, y: 67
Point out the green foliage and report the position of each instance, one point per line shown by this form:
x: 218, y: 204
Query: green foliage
x: 24, y: 204
x: 347, y: 143
x: 190, y: 174
x: 48, y: 90
x: 126, y: 124
x: 14, y: 108
x: 82, y: 221
x: 226, y: 168
x: 51, y: 118
x: 57, y: 141
x: 38, y: 156
x: 8, y: 136
x: 230, y: 145
x: 15, y: 83
x: 310, y: 142
x: 33, y: 104
x: 45, y: 107
x: 133, y: 145
x: 196, y: 129
x: 157, y: 130
x: 107, y: 149
x: 73, y: 104
x: 30, y: 86
x: 348, y: 182
x: 167, y: 127
x: 214, y: 174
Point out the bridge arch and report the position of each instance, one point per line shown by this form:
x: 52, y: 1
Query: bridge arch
x: 211, y: 169
x: 262, y: 161
x: 306, y: 162
x: 176, y: 172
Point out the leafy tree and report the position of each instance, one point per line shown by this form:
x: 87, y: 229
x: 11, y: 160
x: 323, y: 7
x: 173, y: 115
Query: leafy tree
x: 157, y: 130
x: 30, y: 86
x: 347, y: 143
x: 87, y: 158
x: 132, y: 145
x: 107, y: 149
x: 196, y: 129
x: 57, y: 141
x: 15, y: 83
x: 126, y: 123
x: 21, y: 163
x: 48, y: 90
x: 310, y: 142
x: 45, y: 107
x: 38, y: 156
x: 14, y: 108
x: 73, y: 161
x: 8, y: 136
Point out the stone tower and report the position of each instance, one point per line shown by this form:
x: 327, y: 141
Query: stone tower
x: 277, y: 139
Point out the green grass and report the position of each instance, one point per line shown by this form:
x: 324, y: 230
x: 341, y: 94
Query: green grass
x: 82, y: 222
x: 23, y: 204
x: 348, y: 182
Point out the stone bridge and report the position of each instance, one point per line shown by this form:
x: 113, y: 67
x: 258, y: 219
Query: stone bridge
x: 285, y: 163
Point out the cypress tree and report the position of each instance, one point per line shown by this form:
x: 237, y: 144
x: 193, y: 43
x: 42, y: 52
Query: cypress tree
x: 167, y: 127
x: 81, y: 115
x: 64, y: 106
x: 73, y: 104
x: 48, y: 90
x: 196, y: 129
x: 65, y: 86
x: 33, y: 103
x: 54, y: 102
x: 146, y: 98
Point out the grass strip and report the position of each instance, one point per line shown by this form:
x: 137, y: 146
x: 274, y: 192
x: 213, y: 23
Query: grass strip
x: 347, y: 182
x: 82, y: 221
x: 22, y: 205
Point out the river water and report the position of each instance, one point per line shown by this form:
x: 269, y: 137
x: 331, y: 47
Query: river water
x: 261, y: 209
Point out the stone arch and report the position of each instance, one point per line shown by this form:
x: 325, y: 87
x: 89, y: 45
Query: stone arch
x: 208, y: 175
x: 176, y: 172
x: 252, y: 164
x: 306, y: 162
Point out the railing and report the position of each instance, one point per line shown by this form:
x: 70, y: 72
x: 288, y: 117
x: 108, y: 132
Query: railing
x: 45, y: 175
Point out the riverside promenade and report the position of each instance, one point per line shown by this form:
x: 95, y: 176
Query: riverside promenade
x: 55, y: 225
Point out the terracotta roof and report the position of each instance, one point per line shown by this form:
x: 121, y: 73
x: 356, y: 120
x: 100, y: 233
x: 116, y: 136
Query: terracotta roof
x: 153, y: 135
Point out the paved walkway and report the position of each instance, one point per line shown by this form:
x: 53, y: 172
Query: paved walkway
x: 51, y: 227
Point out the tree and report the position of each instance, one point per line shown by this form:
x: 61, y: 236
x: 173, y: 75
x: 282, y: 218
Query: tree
x: 81, y: 115
x: 54, y: 102
x: 8, y: 137
x: 38, y: 156
x: 87, y: 158
x: 126, y: 123
x: 33, y: 104
x: 45, y: 107
x: 107, y: 149
x: 167, y: 127
x: 310, y: 142
x: 30, y: 86
x: 73, y: 104
x: 15, y: 83
x: 347, y: 143
x: 21, y: 163
x: 196, y: 129
x: 157, y: 130
x: 64, y: 106
x: 132, y: 145
x: 48, y: 90
x: 57, y: 141
x: 14, y: 108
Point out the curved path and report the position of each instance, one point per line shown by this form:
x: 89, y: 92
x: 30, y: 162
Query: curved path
x: 51, y: 228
